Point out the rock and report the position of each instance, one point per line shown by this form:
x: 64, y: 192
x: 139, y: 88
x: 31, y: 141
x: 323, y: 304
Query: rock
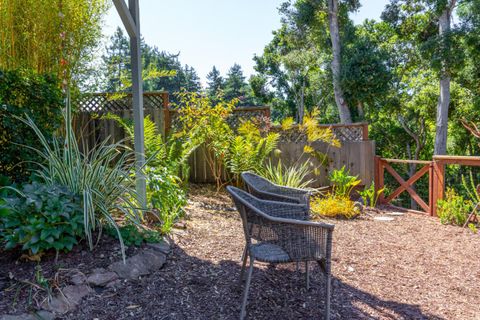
x: 101, y: 277
x: 395, y: 213
x: 164, y: 247
x: 114, y: 284
x: 139, y: 265
x: 153, y: 259
x: 68, y: 299
x: 75, y: 294
x: 383, y: 218
x: 78, y: 279
x: 58, y: 305
x: 42, y: 314
x: 133, y: 268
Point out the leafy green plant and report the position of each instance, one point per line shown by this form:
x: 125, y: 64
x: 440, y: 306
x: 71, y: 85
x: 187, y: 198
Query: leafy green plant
x: 470, y: 188
x: 206, y: 124
x: 38, y: 96
x: 333, y: 205
x: 102, y: 178
x: 454, y: 209
x: 135, y: 235
x: 249, y: 149
x: 172, y: 153
x: 473, y: 228
x: 343, y: 182
x: 290, y: 176
x: 370, y: 196
x: 166, y: 195
x: 41, y: 218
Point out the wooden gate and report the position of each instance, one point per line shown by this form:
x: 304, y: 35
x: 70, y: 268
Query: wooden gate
x: 436, y: 178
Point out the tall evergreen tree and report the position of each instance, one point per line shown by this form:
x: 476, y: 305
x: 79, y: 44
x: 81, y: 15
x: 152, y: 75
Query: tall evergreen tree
x: 235, y: 85
x: 117, y: 68
x: 215, y: 83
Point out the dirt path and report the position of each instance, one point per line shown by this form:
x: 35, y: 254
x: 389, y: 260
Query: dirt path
x: 410, y: 268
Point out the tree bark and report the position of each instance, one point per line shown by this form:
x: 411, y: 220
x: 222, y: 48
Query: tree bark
x: 444, y: 98
x: 343, y: 110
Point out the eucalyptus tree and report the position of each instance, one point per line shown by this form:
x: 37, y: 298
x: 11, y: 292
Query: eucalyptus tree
x: 428, y: 23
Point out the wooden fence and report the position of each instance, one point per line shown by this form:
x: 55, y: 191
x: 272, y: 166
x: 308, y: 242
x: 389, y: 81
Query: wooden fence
x: 356, y: 153
x: 91, y: 128
x: 436, y: 178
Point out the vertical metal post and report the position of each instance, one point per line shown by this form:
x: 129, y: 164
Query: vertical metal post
x: 137, y: 101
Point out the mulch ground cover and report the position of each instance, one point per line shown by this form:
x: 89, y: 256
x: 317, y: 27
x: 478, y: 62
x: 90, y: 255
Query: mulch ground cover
x: 409, y: 268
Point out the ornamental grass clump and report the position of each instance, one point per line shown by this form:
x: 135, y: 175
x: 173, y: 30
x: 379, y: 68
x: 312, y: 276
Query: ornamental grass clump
x: 102, y: 178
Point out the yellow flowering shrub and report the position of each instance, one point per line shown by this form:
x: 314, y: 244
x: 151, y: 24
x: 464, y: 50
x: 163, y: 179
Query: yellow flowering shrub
x: 333, y: 206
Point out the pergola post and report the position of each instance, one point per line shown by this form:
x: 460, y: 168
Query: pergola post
x: 131, y: 20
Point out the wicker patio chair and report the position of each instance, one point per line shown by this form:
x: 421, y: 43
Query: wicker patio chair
x: 267, y: 190
x: 271, y: 238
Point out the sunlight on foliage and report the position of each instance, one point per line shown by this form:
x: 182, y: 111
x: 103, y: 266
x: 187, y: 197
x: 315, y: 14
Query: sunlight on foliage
x: 333, y: 206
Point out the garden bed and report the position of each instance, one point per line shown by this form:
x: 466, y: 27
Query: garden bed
x: 409, y: 268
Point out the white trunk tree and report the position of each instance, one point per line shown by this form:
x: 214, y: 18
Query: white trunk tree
x: 444, y: 98
x: 343, y: 110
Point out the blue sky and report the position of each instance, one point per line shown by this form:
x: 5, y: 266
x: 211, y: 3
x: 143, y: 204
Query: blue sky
x: 216, y: 32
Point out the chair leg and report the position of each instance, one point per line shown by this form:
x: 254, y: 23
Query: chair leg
x: 247, y: 287
x: 328, y: 293
x: 244, y: 264
x: 307, y: 275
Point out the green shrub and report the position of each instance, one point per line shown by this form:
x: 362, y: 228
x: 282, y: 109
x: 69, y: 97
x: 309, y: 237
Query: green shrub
x: 370, y: 196
x: 454, y: 209
x: 38, y: 96
x: 343, y: 182
x: 102, y: 178
x: 165, y: 193
x: 133, y: 235
x: 41, y: 218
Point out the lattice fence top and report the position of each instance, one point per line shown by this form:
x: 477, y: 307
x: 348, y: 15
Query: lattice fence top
x: 261, y: 116
x: 343, y: 132
x: 106, y: 102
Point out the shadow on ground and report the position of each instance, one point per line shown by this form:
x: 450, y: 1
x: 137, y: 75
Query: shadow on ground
x: 192, y: 288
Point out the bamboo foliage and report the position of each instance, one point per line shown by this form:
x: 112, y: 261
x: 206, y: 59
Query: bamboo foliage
x: 53, y: 36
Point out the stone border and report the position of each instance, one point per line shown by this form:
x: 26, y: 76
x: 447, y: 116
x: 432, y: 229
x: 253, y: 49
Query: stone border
x: 150, y: 259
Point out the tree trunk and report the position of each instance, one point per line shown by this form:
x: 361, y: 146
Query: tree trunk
x: 301, y: 104
x: 360, y: 110
x: 444, y: 98
x: 343, y: 109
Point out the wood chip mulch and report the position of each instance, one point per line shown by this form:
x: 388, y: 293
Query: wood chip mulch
x: 409, y: 268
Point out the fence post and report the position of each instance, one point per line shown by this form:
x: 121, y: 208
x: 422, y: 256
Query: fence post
x: 365, y: 131
x: 166, y: 113
x: 431, y: 188
x: 438, y: 183
x: 379, y: 178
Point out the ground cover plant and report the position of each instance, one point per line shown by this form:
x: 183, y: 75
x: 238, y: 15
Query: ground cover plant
x: 39, y: 218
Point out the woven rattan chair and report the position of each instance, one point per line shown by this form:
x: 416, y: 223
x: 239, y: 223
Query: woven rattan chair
x: 267, y: 190
x: 272, y: 237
